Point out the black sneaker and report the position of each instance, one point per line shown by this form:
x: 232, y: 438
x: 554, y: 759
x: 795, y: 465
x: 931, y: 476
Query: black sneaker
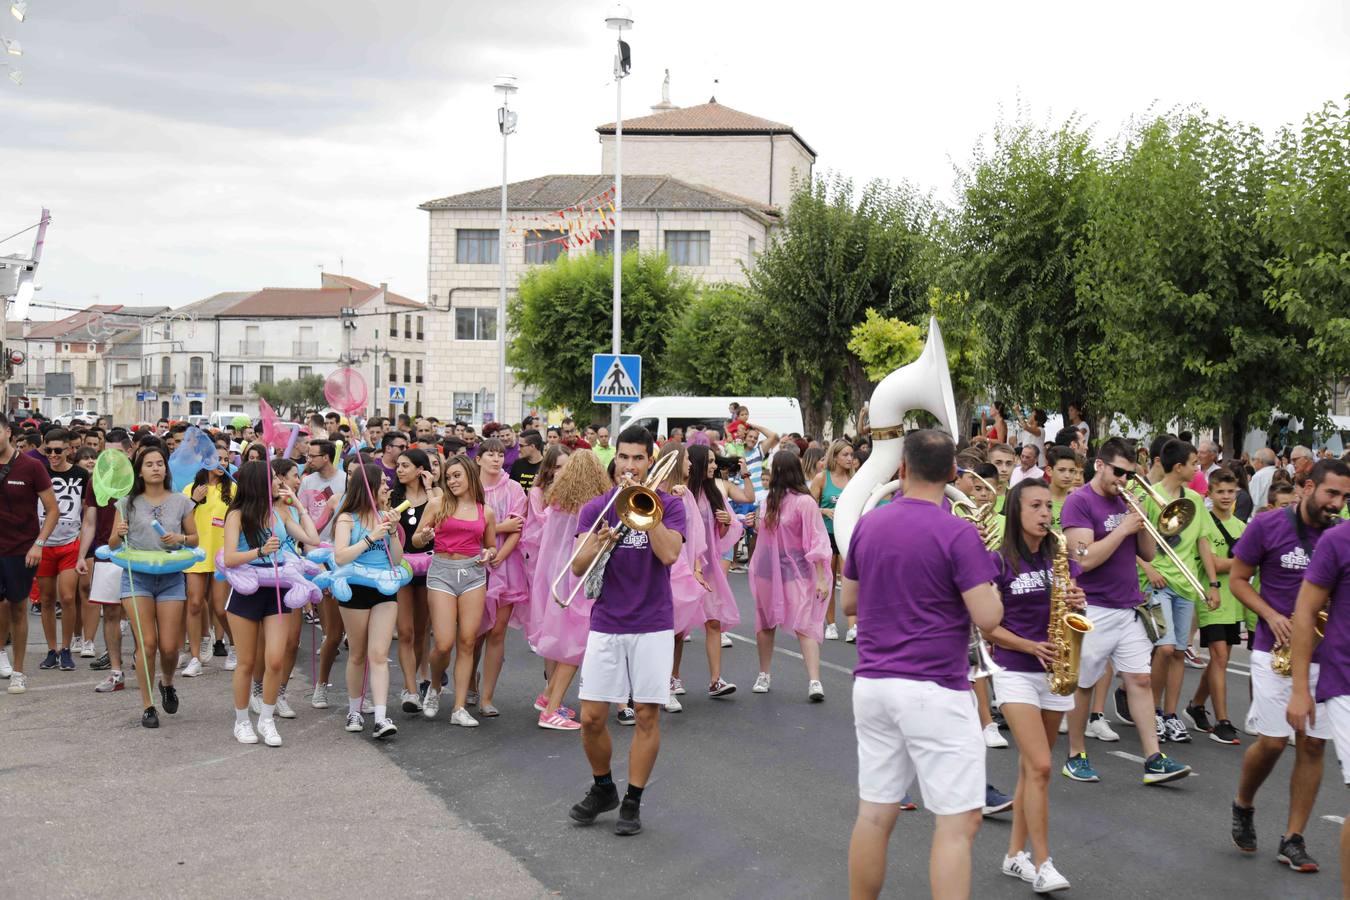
x: 627, y: 716
x: 102, y: 663
x: 51, y: 662
x: 597, y: 800
x: 1244, y: 828
x: 630, y: 819
x: 1198, y: 716
x: 1122, y: 705
x: 1295, y: 855
x: 169, y: 696
x: 1224, y: 733
x: 35, y: 608
x: 150, y: 718
x: 218, y: 649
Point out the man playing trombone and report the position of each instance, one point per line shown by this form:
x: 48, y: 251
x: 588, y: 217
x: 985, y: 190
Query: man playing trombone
x: 631, y: 647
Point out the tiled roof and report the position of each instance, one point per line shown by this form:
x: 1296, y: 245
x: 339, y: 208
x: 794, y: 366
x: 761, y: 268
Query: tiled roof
x: 47, y: 331
x: 706, y: 118
x: 214, y: 304
x: 331, y: 280
x: 298, y: 302
x: 640, y: 192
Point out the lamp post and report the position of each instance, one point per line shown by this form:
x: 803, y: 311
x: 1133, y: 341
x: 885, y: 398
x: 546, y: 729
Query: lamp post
x: 506, y: 123
x: 618, y: 19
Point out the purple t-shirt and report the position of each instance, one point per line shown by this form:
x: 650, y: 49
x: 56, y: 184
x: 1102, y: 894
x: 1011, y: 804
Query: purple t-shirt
x: 1271, y: 546
x: 1115, y: 583
x: 913, y: 561
x: 1330, y: 568
x: 635, y: 595
x: 1026, y: 607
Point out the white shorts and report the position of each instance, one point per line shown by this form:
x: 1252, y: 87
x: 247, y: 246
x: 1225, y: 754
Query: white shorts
x: 105, y: 584
x: 1031, y: 688
x: 1337, y: 712
x: 1270, y: 700
x: 907, y: 728
x: 1117, y: 636
x: 619, y: 666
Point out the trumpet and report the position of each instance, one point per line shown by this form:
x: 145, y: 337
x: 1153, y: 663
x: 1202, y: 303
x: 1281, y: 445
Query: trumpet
x: 639, y: 509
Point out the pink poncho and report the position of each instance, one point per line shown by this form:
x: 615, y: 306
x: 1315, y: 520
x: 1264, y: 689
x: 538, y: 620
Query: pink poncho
x: 507, y: 583
x: 783, y: 570
x: 720, y: 605
x: 559, y: 634
x: 534, y: 523
x: 685, y: 591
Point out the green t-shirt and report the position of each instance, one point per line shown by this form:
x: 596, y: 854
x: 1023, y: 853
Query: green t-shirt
x: 1187, y: 548
x: 1230, y: 610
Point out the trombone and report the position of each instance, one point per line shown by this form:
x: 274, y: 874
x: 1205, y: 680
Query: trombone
x: 1174, y: 518
x: 639, y: 509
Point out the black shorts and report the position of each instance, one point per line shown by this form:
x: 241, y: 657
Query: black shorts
x: 16, y: 579
x: 255, y: 607
x: 1229, y: 633
x: 366, y: 597
x: 833, y: 544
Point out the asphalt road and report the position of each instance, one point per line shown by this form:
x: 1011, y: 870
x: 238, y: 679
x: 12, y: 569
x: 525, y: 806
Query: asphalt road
x: 753, y: 796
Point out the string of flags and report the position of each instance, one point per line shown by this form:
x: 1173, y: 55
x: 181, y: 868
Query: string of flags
x: 575, y: 226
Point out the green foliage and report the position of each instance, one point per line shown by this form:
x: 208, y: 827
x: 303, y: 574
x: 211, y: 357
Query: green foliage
x: 720, y: 346
x: 884, y: 344
x: 563, y: 313
x: 293, y: 397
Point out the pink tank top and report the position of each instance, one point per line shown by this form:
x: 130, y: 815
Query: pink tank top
x: 458, y: 536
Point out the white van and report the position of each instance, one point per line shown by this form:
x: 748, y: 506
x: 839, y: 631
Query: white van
x: 660, y: 414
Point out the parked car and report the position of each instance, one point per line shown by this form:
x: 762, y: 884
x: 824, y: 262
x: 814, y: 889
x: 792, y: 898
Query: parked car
x: 660, y: 414
x: 77, y: 417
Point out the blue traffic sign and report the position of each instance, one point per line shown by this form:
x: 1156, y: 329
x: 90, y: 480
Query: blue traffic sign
x: 616, y: 378
x: 398, y: 394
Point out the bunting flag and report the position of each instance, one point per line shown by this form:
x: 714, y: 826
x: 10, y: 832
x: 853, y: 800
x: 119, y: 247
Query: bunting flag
x: 575, y: 226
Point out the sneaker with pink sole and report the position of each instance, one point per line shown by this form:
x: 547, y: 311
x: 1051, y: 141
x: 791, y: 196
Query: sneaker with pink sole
x: 556, y: 722
x: 541, y: 704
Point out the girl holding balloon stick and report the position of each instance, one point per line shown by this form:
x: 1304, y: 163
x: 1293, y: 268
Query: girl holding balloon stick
x: 417, y: 477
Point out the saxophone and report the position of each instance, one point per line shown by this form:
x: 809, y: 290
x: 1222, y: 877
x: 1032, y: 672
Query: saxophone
x: 1067, y: 627
x: 1281, y: 662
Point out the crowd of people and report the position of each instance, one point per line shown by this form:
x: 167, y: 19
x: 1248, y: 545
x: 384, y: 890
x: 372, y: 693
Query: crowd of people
x: 514, y: 528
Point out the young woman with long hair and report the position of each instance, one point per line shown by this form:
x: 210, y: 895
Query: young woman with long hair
x: 367, y: 534
x: 211, y: 492
x: 463, y: 532
x: 721, y: 531
x: 154, y: 603
x: 86, y: 458
x: 789, y: 573
x: 253, y: 534
x: 688, y: 588
x: 254, y: 452
x: 1024, y: 651
x: 508, y: 592
x: 105, y: 582
x: 531, y: 538
x: 561, y: 635
x: 826, y: 488
x: 415, y: 483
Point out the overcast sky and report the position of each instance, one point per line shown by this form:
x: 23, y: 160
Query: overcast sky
x: 187, y: 147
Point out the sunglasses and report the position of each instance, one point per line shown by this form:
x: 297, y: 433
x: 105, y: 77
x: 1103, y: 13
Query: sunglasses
x: 54, y: 451
x: 1120, y: 472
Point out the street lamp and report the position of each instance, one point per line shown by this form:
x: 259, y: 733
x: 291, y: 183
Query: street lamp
x: 19, y: 9
x: 506, y: 123
x: 618, y: 19
x: 11, y: 46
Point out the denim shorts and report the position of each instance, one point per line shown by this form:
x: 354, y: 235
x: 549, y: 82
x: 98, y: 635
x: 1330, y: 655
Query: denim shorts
x: 455, y: 577
x: 1179, y: 612
x: 163, y: 588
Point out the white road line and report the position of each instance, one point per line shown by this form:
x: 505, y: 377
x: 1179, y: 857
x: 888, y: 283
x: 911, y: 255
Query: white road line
x: 1138, y: 759
x: 60, y: 687
x: 1339, y: 820
x: 825, y: 664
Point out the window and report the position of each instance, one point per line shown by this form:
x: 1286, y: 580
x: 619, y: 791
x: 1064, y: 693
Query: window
x: 753, y: 248
x: 121, y: 371
x: 65, y: 365
x: 464, y: 402
x: 92, y: 407
x: 407, y: 327
x: 165, y: 370
x: 474, y: 406
x: 235, y: 407
x: 91, y: 373
x: 542, y: 248
x: 407, y: 371
x: 605, y: 243
x: 687, y: 248
x: 393, y: 370
x: 196, y: 372
x: 419, y: 371
x: 237, y: 381
x: 475, y: 323
x: 419, y: 328
x: 305, y: 371
x: 476, y: 245
x: 393, y: 325
x: 264, y: 375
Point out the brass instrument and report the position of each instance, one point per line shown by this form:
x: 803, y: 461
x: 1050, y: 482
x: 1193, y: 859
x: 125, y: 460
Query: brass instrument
x: 638, y: 507
x: 1067, y: 626
x: 982, y: 516
x: 1175, y: 515
x: 1173, y: 520
x: 1281, y: 663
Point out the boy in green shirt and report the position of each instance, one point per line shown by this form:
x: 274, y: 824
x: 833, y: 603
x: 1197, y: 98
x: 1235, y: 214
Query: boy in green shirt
x: 1220, y: 622
x: 1064, y: 474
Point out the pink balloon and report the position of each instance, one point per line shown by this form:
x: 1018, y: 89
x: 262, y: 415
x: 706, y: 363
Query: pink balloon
x: 345, y: 390
x: 273, y: 433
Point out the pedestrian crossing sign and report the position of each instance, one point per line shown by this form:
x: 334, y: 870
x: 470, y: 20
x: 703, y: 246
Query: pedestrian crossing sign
x: 398, y: 395
x: 616, y: 378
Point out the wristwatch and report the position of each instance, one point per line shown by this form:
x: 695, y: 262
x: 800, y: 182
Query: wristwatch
x: 1213, y: 584
x: 39, y: 543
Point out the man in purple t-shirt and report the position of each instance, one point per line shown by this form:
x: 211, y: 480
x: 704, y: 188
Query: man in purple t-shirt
x: 1105, y: 535
x: 1279, y: 546
x: 630, y: 650
x: 916, y: 576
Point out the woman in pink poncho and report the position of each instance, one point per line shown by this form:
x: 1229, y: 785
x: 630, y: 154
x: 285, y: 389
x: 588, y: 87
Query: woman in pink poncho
x: 789, y: 573
x: 562, y: 631
x: 688, y: 587
x: 530, y: 535
x: 721, y: 531
x: 507, y: 590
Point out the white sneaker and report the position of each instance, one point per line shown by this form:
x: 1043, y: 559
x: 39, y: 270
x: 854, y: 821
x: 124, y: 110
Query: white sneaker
x: 385, y: 728
x: 18, y: 683
x: 124, y: 627
x: 1064, y: 725
x: 268, y: 729
x: 1101, y: 729
x: 244, y: 734
x: 726, y: 639
x: 412, y: 704
x: 193, y: 668
x: 367, y: 705
x: 319, y: 699
x: 77, y: 646
x: 815, y: 692
x: 1020, y: 866
x: 183, y: 658
x: 1048, y: 879
x: 231, y: 659
x: 1249, y: 725
x: 761, y: 683
x: 831, y: 632
x: 992, y: 738
x: 677, y: 687
x: 6, y: 669
x: 355, y: 722
x: 205, y: 651
x: 673, y: 704
x: 255, y: 700
x: 461, y: 717
x: 88, y: 651
x: 688, y: 637
x: 852, y: 636
x: 283, y: 708
x: 431, y: 704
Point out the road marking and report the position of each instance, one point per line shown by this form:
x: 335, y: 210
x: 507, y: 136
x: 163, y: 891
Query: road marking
x: 1245, y: 673
x: 1339, y: 820
x: 59, y: 687
x: 825, y: 664
x: 1138, y: 759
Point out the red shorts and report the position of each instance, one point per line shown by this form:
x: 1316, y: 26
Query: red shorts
x: 56, y: 560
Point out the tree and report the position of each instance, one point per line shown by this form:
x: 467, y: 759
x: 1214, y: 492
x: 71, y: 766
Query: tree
x: 884, y: 344
x: 720, y: 346
x: 562, y: 313
x: 293, y: 397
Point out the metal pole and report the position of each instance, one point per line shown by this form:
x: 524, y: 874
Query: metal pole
x: 617, y: 244
x: 500, y: 403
